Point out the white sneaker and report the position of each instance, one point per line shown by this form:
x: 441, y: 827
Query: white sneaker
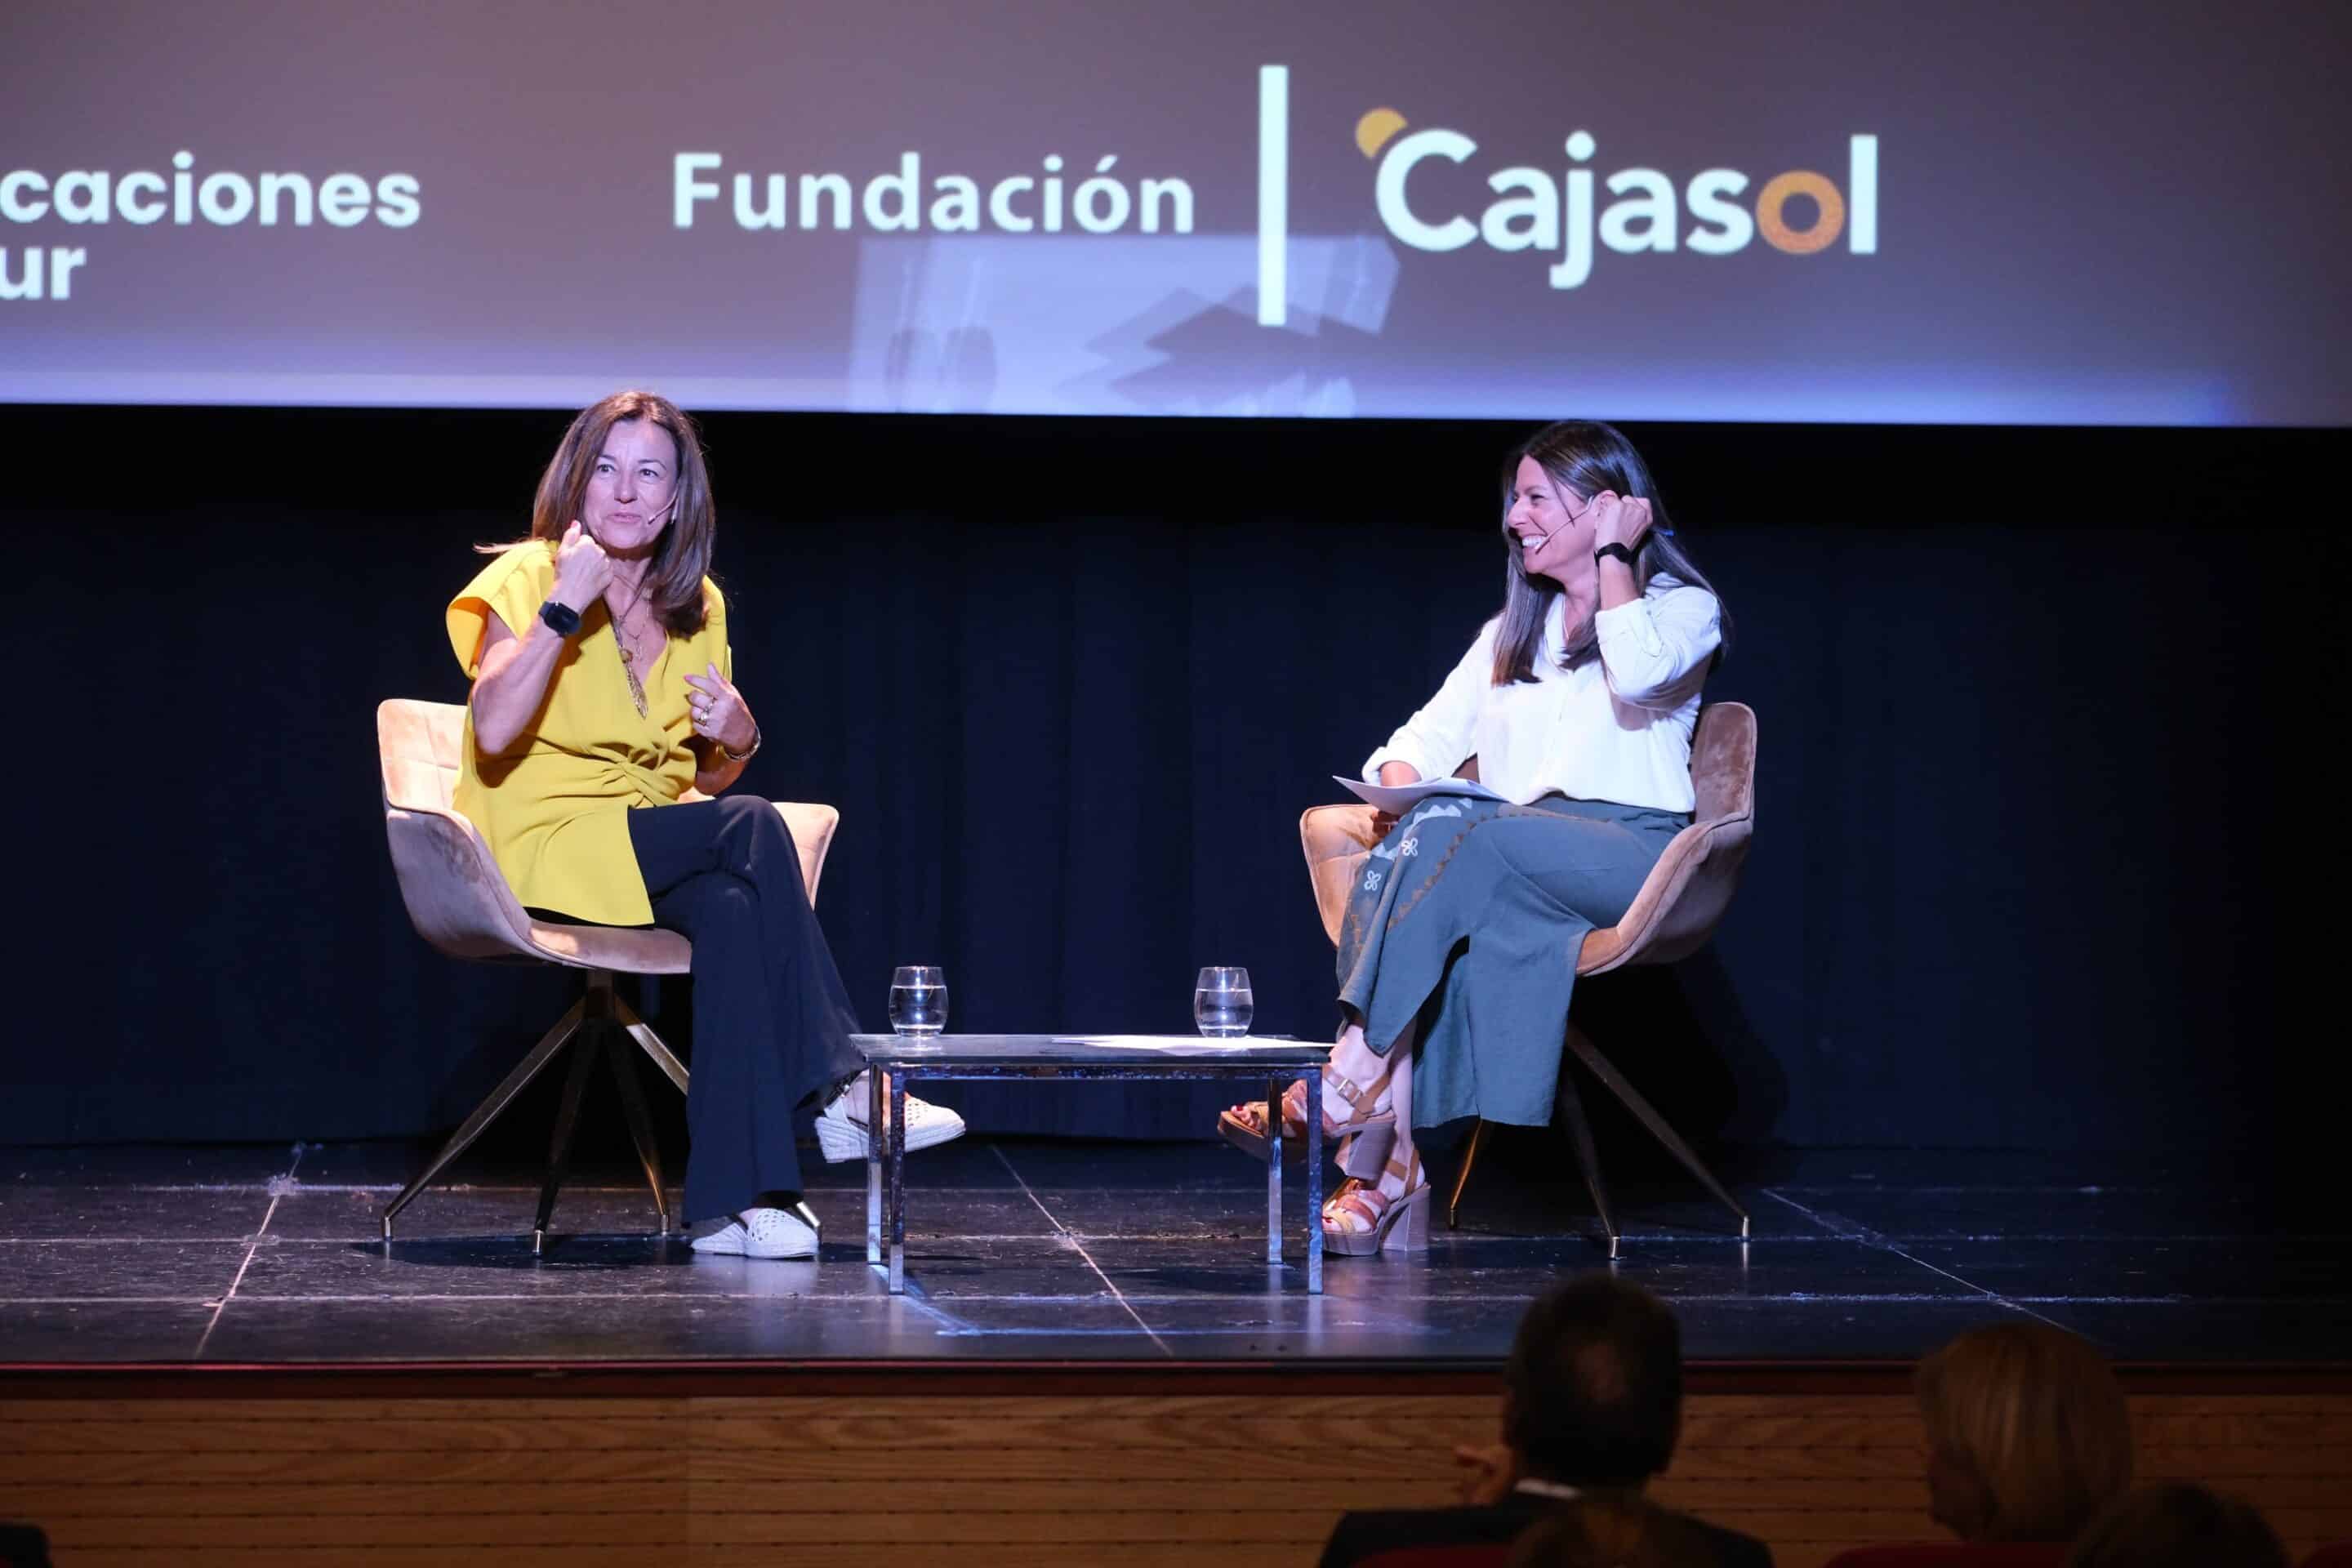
x: 760, y: 1233
x: 841, y: 1132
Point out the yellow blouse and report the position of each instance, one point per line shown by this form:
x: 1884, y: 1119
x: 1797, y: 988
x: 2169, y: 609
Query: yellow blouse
x: 550, y: 807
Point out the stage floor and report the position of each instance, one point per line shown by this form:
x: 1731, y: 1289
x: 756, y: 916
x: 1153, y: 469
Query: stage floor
x: 1046, y: 1250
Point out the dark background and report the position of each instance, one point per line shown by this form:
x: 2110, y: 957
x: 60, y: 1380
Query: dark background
x: 2043, y: 831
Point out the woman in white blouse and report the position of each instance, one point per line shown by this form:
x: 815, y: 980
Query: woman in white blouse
x: 1578, y: 703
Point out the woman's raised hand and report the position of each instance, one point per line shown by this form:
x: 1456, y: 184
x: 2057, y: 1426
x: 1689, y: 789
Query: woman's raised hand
x: 1619, y: 520
x: 1391, y: 774
x: 582, y: 569
x: 719, y: 712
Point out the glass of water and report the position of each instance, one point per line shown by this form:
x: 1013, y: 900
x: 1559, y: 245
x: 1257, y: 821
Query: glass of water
x: 1221, y: 1002
x: 919, y: 999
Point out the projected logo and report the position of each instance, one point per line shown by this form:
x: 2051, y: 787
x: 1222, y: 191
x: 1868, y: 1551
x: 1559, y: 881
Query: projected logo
x: 1800, y: 211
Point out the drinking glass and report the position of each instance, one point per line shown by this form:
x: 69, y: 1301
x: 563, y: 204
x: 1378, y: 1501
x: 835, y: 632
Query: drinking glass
x: 1221, y: 1002
x: 919, y: 999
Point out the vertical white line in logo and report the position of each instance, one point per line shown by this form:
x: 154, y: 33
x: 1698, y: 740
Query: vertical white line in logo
x: 1273, y: 195
x: 1862, y: 182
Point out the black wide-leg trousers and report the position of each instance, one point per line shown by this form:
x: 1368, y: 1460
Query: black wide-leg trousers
x: 772, y: 1024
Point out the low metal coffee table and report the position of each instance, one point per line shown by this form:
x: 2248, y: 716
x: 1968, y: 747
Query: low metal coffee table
x: 899, y: 1061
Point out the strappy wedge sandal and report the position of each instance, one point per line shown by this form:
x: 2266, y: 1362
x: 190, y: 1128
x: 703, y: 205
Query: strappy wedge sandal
x: 1243, y: 1125
x: 1401, y: 1221
x: 1357, y: 1154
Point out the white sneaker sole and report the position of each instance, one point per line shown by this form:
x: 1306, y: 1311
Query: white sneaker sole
x: 733, y: 1241
x: 808, y: 1256
x: 840, y: 1140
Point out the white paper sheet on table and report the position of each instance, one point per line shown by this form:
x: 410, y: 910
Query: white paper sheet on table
x: 1168, y: 1043
x: 1398, y: 799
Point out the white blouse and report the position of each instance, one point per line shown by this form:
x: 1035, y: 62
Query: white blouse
x: 1615, y: 728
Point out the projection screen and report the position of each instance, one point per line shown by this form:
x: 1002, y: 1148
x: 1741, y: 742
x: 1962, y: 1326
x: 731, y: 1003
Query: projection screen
x: 1809, y: 210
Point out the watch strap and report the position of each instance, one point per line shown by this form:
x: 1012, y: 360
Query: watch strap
x: 561, y: 619
x: 1618, y: 551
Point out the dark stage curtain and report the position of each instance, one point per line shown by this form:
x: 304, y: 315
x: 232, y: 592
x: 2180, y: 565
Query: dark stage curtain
x: 2035, y: 710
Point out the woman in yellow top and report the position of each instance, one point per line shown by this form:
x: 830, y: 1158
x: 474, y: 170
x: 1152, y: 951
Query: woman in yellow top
x: 603, y: 691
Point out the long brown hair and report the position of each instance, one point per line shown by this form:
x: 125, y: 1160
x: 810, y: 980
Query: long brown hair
x: 682, y: 557
x: 1583, y: 457
x: 2033, y: 1416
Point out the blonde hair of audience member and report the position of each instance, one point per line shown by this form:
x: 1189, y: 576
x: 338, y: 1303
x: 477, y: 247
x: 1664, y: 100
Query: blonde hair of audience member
x: 2027, y: 1434
x: 1610, y: 1530
x: 2177, y: 1525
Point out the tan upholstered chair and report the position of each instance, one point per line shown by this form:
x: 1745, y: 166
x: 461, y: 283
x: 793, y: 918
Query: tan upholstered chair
x: 1670, y: 918
x: 462, y: 905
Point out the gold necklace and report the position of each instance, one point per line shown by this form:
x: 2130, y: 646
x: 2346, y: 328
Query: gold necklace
x: 629, y: 663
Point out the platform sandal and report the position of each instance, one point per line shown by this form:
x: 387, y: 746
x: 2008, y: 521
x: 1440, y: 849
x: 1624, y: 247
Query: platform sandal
x: 1402, y: 1220
x: 1243, y: 1125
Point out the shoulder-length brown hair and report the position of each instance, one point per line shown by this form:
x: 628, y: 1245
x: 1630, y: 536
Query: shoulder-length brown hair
x: 2035, y: 1419
x: 1583, y: 457
x: 682, y: 557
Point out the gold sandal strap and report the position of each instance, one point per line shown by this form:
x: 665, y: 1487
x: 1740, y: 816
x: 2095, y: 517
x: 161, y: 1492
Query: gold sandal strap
x: 1363, y: 1200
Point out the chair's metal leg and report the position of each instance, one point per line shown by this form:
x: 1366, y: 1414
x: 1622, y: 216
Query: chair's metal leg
x: 650, y: 1043
x: 1273, y: 1171
x: 1608, y: 1075
x: 559, y: 1147
x: 1571, y: 1105
x: 1462, y: 1176
x: 641, y: 1125
x: 488, y: 1112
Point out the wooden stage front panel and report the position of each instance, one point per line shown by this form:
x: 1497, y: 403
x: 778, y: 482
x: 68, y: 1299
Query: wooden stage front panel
x: 392, y: 1473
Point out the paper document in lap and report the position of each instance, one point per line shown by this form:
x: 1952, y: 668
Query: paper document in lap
x: 1398, y: 799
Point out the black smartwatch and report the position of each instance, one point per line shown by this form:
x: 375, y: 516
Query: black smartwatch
x: 1618, y: 551
x: 561, y: 619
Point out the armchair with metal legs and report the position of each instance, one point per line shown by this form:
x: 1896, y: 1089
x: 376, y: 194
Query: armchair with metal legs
x: 1670, y: 918
x: 460, y: 904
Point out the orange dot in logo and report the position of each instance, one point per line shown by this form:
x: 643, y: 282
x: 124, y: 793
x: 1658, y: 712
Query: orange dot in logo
x: 1374, y: 130
x: 1775, y: 194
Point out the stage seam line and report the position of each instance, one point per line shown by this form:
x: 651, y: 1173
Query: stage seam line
x: 1869, y: 1237
x: 314, y: 1187
x: 1890, y: 1297
x: 278, y: 1189
x: 1079, y: 1246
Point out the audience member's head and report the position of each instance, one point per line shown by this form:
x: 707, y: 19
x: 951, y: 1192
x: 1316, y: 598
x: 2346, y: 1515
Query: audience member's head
x: 1613, y: 1529
x: 2176, y: 1525
x: 23, y: 1546
x: 2027, y: 1437
x: 1593, y: 1389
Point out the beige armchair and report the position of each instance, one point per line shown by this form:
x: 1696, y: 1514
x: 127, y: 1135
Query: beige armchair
x: 461, y: 904
x: 1671, y: 917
